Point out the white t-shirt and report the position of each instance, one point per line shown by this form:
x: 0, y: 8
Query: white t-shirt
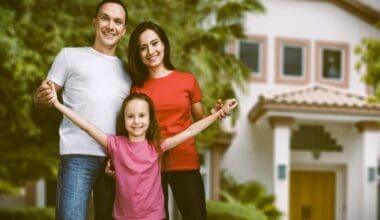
x: 94, y: 85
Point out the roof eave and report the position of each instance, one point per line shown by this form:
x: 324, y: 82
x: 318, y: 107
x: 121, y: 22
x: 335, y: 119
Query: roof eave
x: 258, y: 110
x: 359, y: 9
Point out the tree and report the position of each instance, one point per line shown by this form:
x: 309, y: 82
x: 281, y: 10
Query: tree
x: 33, y: 32
x: 368, y: 52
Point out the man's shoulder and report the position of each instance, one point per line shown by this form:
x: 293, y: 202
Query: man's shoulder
x: 76, y: 49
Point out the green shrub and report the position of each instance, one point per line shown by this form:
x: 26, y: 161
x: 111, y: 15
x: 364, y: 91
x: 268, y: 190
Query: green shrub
x: 27, y: 214
x: 243, y: 201
x: 217, y: 210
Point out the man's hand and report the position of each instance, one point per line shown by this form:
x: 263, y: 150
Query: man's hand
x: 44, y: 96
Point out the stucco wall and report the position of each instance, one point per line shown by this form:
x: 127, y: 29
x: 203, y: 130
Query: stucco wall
x: 250, y: 155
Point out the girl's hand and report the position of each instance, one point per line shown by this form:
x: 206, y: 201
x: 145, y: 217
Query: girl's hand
x: 53, y: 93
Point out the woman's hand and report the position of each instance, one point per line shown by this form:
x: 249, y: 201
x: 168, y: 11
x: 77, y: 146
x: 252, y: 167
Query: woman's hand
x: 227, y: 107
x: 109, y: 169
x: 217, y: 107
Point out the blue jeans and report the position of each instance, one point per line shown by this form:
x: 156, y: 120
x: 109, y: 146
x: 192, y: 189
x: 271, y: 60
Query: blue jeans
x: 78, y: 176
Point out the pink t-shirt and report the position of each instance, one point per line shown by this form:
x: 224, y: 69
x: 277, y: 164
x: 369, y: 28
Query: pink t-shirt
x: 138, y: 182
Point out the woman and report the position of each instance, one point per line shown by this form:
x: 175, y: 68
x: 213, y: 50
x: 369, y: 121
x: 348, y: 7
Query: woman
x: 177, y: 99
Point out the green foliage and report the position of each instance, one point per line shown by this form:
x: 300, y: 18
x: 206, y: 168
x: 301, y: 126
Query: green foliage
x: 27, y: 214
x: 217, y: 210
x: 33, y: 32
x: 243, y: 201
x: 7, y: 189
x: 368, y: 52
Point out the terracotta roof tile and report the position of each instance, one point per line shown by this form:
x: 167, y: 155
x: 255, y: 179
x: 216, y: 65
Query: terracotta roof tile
x: 315, y: 98
x: 318, y: 95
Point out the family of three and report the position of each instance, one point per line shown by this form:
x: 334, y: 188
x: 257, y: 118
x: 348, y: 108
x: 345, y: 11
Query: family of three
x: 144, y: 119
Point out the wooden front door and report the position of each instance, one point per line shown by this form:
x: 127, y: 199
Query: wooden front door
x: 312, y: 195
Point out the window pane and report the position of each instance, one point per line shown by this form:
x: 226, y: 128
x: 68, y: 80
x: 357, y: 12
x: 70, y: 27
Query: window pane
x: 249, y: 54
x: 292, y: 61
x: 331, y: 65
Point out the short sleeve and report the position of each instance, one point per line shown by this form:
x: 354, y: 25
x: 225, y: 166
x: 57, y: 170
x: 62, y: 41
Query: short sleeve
x: 111, y: 144
x: 58, y: 72
x: 196, y: 93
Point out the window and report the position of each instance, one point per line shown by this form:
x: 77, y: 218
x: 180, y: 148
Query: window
x: 249, y: 53
x: 332, y: 65
x: 292, y: 64
x: 292, y: 61
x: 252, y: 52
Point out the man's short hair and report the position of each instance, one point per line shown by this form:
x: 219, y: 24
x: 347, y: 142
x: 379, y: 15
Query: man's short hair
x: 112, y: 1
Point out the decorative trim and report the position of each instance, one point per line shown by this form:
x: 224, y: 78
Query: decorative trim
x: 367, y: 126
x: 345, y: 48
x: 314, y: 138
x: 233, y: 48
x: 280, y: 121
x: 359, y: 9
x: 280, y: 77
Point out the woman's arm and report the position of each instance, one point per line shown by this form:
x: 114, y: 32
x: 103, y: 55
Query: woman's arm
x: 198, y: 126
x: 197, y: 111
x: 86, y: 126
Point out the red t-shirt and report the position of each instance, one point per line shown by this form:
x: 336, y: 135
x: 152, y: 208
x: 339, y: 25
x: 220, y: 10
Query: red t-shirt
x: 173, y: 96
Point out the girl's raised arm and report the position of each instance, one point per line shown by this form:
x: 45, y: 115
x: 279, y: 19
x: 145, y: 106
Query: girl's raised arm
x: 198, y: 126
x: 83, y: 124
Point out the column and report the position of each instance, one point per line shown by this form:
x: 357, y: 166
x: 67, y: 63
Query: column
x: 281, y: 162
x: 369, y: 153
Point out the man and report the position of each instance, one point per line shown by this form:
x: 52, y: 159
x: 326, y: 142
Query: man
x: 95, y: 84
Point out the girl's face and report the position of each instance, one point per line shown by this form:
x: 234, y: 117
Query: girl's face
x: 136, y: 114
x: 151, y: 49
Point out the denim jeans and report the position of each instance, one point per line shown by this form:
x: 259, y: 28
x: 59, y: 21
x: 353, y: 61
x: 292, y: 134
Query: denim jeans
x: 78, y: 176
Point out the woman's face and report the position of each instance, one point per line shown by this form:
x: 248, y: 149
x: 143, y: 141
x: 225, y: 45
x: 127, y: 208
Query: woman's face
x: 151, y: 49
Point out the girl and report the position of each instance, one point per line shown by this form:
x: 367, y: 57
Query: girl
x: 135, y: 154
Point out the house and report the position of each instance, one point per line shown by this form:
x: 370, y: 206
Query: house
x: 305, y: 128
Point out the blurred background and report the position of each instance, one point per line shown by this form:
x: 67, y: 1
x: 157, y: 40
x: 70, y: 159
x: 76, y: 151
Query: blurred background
x: 304, y: 143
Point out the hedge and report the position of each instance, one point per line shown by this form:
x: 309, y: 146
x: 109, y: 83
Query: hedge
x: 27, y: 213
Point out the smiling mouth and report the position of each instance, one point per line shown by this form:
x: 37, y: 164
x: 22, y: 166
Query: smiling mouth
x: 109, y: 35
x: 153, y: 59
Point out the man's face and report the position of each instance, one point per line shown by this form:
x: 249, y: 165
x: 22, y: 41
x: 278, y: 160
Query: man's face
x: 109, y: 25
